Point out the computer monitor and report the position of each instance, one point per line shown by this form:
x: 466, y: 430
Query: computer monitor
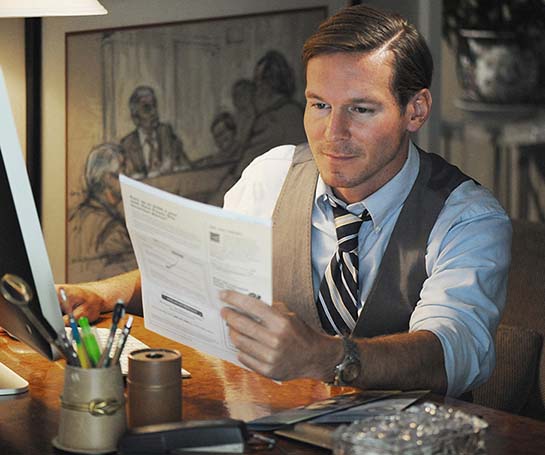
x: 22, y: 250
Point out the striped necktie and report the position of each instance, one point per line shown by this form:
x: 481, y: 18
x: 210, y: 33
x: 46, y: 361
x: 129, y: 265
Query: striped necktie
x: 338, y: 301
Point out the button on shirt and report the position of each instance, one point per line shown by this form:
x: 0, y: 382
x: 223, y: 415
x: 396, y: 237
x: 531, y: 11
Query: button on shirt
x: 467, y: 257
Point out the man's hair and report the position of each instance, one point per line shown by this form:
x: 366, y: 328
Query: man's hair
x: 102, y: 160
x: 245, y: 85
x: 226, y: 118
x: 277, y: 72
x: 363, y: 29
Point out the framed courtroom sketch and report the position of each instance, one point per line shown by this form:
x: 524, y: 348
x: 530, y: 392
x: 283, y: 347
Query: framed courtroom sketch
x: 72, y: 125
x: 183, y: 106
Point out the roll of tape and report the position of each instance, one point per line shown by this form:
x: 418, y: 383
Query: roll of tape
x: 154, y: 387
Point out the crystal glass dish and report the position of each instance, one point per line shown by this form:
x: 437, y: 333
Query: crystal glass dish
x: 422, y: 429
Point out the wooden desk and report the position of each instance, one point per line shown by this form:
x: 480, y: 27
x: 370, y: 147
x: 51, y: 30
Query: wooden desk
x: 217, y: 389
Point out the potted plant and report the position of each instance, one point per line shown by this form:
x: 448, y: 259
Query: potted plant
x: 499, y: 47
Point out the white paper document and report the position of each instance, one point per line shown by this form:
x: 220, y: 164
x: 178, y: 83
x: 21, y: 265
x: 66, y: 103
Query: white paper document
x: 187, y: 252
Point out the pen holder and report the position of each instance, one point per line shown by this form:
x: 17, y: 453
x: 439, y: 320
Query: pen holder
x: 92, y: 416
x: 154, y: 387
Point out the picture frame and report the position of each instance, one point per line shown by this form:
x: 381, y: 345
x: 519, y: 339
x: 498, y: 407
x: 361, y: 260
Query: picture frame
x: 66, y: 134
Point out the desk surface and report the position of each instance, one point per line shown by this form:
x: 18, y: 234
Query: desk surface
x: 216, y: 389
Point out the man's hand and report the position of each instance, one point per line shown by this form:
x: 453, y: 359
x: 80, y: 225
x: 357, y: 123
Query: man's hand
x: 81, y: 301
x: 275, y: 343
x: 95, y: 297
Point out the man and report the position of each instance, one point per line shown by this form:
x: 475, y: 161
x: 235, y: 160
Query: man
x: 279, y: 118
x: 152, y: 149
x: 432, y: 246
x: 224, y: 130
x: 243, y: 95
x: 101, y: 210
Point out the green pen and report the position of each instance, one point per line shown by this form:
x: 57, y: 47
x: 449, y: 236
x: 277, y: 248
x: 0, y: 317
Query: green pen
x: 89, y: 341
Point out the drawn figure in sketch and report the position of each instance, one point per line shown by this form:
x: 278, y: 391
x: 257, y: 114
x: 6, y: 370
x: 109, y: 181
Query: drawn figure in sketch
x: 231, y: 134
x: 152, y: 148
x: 279, y: 118
x: 243, y: 94
x: 224, y: 130
x: 101, y: 211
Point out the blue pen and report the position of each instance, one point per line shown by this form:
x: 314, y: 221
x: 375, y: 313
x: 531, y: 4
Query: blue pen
x: 80, y: 349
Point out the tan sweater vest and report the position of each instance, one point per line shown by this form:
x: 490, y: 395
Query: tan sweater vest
x: 402, y: 272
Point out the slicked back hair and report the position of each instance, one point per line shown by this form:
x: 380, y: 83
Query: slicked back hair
x: 361, y: 29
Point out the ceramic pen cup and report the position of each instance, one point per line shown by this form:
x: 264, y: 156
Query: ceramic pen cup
x: 154, y: 387
x: 92, y: 416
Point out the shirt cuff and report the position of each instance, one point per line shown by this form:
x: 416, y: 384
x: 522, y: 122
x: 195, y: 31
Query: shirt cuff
x: 468, y: 361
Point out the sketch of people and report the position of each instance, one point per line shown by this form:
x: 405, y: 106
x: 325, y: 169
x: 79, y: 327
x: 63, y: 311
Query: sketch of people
x: 152, y: 148
x: 101, y: 209
x: 279, y: 118
x: 243, y: 94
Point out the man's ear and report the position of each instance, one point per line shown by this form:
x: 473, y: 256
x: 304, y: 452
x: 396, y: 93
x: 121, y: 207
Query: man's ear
x: 418, y: 110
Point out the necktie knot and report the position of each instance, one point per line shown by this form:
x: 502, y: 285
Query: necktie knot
x: 347, y: 226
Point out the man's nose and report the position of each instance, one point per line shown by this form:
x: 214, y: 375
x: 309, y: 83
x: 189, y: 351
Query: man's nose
x: 337, y: 126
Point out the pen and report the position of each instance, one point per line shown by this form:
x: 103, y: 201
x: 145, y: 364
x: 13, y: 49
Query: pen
x: 64, y: 298
x: 122, y: 341
x: 89, y: 341
x: 118, y: 313
x: 82, y: 354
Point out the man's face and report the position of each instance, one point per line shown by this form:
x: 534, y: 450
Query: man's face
x: 146, y: 112
x: 112, y: 188
x: 223, y: 136
x: 356, y: 130
x: 243, y: 98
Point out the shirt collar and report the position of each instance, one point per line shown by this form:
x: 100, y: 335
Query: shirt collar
x: 383, y: 202
x: 142, y: 136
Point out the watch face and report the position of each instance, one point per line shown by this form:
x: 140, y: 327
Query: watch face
x: 351, y: 371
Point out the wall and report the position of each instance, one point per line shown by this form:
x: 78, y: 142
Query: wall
x: 121, y: 13
x: 474, y: 156
x: 12, y: 61
x: 470, y: 147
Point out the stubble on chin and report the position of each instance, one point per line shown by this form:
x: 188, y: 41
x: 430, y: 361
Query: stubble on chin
x: 337, y: 173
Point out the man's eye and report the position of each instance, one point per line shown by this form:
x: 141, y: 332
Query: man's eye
x: 319, y: 105
x: 361, y: 110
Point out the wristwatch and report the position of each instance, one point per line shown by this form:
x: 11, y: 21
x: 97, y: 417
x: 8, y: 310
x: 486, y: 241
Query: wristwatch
x: 349, y: 369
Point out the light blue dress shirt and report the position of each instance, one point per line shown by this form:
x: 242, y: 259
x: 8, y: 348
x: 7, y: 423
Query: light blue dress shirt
x: 467, y: 257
